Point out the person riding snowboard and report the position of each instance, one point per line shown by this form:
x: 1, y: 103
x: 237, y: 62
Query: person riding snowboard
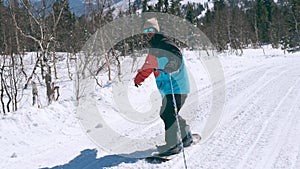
x: 165, y: 60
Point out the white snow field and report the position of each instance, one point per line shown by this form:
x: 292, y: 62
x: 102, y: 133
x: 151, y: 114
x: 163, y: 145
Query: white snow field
x: 259, y: 129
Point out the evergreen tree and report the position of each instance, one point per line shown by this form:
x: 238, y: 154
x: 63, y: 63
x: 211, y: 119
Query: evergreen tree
x: 282, y: 3
x: 151, y: 9
x: 137, y: 4
x: 220, y: 24
x: 166, y: 6
x: 190, y: 16
x: 264, y: 19
x: 65, y: 27
x: 82, y: 32
x: 175, y: 8
x: 158, y: 6
x: 199, y: 9
x: 1, y: 27
x: 109, y: 15
x: 291, y: 41
x: 278, y: 26
x: 145, y: 6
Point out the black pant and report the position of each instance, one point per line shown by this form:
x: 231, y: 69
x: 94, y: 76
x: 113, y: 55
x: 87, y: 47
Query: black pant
x: 168, y: 115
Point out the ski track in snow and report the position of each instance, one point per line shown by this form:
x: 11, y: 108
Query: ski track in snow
x: 260, y: 127
x: 242, y: 141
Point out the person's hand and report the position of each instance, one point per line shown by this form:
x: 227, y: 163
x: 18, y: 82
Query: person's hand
x: 137, y: 85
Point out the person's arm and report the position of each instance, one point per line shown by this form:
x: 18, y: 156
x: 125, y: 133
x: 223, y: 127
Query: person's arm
x: 169, y: 50
x: 175, y: 58
x: 148, y: 67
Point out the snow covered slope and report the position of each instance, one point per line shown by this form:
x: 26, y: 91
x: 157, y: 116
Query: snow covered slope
x: 260, y: 126
x: 124, y: 5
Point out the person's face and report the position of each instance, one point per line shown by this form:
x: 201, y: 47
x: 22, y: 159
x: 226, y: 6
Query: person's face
x: 150, y: 35
x: 149, y: 32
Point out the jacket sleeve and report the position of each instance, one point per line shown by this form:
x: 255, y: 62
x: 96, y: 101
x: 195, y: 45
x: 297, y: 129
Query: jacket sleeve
x: 175, y: 59
x: 148, y: 67
x: 168, y: 49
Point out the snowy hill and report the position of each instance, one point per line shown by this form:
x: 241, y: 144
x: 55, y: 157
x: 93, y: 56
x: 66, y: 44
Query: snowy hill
x: 124, y: 5
x: 260, y: 127
x: 77, y: 6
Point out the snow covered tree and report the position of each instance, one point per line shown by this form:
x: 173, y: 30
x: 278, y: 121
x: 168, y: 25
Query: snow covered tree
x: 175, y: 8
x: 145, y: 6
x: 137, y: 4
x: 190, y: 14
x: 159, y: 6
x: 166, y: 6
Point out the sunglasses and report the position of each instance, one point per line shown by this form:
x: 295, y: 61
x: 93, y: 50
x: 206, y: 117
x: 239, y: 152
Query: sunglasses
x: 149, y: 30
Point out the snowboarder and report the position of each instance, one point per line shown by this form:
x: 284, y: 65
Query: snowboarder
x: 164, y: 60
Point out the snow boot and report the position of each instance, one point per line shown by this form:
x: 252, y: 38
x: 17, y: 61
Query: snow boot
x: 166, y: 150
x: 187, y: 139
x: 172, y: 145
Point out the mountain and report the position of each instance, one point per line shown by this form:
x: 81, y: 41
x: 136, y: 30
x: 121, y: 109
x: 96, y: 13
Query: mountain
x: 78, y: 6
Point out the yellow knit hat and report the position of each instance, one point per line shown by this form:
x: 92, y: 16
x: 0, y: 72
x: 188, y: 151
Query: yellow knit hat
x: 152, y: 23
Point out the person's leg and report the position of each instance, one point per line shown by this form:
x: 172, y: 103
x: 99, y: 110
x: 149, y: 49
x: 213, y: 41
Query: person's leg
x: 167, y: 114
x: 186, y: 134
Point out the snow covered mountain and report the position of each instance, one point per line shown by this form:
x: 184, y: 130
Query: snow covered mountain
x: 78, y: 6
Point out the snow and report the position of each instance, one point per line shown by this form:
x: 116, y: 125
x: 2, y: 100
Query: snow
x: 123, y: 5
x: 260, y: 126
x: 193, y: 1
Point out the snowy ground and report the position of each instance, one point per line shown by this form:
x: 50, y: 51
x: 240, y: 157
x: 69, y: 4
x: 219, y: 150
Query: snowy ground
x: 260, y: 127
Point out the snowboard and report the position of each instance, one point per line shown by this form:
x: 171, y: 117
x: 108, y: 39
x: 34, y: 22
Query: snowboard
x: 156, y: 158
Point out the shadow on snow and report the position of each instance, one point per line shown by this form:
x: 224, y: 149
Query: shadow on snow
x: 88, y: 160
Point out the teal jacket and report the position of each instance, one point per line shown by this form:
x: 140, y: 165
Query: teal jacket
x: 179, y: 78
x: 165, y: 60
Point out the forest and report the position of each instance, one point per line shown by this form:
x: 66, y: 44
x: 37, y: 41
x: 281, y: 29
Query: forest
x: 52, y: 25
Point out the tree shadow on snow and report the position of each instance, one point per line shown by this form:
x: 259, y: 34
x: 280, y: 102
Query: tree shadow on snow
x: 88, y: 160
